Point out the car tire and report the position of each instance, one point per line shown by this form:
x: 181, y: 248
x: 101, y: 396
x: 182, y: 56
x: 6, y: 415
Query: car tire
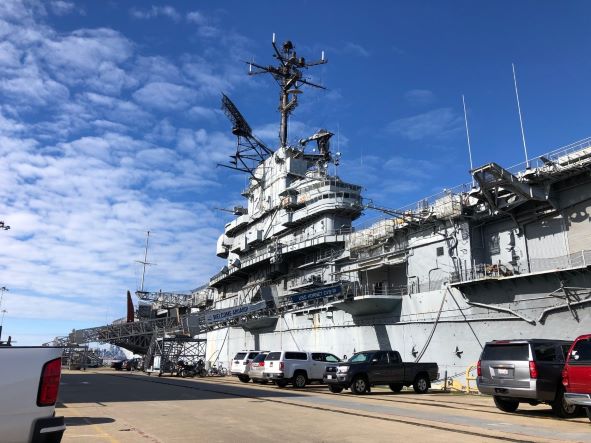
x: 588, y: 412
x: 244, y: 378
x: 281, y: 383
x: 396, y: 387
x: 335, y: 389
x: 563, y: 409
x: 360, y: 385
x: 300, y: 380
x: 421, y: 384
x: 506, y: 404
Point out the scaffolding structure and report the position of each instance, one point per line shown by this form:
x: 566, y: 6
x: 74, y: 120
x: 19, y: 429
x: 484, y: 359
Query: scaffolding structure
x: 80, y: 357
x: 164, y: 353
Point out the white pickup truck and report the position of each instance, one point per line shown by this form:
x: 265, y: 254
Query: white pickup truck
x: 29, y: 385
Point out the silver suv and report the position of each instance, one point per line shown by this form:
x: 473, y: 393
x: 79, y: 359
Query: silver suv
x: 241, y: 364
x: 528, y: 371
x: 256, y: 368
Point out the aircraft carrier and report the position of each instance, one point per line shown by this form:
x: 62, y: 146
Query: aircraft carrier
x: 506, y: 256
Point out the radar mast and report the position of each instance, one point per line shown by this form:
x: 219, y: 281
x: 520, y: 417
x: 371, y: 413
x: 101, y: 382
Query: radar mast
x: 289, y: 78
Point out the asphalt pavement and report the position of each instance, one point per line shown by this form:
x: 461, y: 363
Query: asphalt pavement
x: 114, y: 406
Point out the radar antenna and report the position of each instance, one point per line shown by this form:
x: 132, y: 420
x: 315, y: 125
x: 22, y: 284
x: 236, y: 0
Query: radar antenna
x: 289, y: 77
x: 250, y: 151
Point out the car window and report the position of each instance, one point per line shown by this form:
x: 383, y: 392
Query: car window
x: 383, y: 357
x: 252, y: 355
x: 360, y: 357
x: 564, y: 349
x: 545, y: 352
x: 332, y: 358
x: 394, y: 357
x: 240, y: 356
x: 260, y: 357
x: 317, y: 356
x: 273, y: 356
x: 518, y: 352
x: 296, y: 356
x: 581, y: 352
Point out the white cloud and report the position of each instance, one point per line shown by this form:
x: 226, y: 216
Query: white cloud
x: 196, y: 17
x: 419, y: 97
x: 91, y: 57
x: 439, y: 123
x: 9, y: 55
x: 61, y: 7
x: 101, y: 142
x: 165, y: 96
x: 356, y: 49
x: 202, y: 112
x: 156, y: 11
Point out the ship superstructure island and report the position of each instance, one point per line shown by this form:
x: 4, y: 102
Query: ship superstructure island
x: 505, y: 257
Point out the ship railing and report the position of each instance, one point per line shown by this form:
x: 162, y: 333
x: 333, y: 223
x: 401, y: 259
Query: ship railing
x: 379, y: 288
x: 570, y: 153
x: 284, y: 246
x: 422, y: 208
x: 370, y: 247
x: 483, y: 271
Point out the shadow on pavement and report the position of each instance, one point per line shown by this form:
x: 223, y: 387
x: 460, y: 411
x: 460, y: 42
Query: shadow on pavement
x: 101, y: 388
x: 85, y: 421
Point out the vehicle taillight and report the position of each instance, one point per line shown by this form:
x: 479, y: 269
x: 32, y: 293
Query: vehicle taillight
x: 533, y: 371
x: 49, y: 383
x: 281, y: 365
x: 478, y: 369
x: 565, y: 378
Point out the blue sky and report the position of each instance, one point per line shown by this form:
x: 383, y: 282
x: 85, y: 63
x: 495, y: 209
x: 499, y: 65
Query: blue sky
x: 110, y: 124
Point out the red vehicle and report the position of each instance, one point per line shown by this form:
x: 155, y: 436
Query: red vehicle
x: 576, y: 375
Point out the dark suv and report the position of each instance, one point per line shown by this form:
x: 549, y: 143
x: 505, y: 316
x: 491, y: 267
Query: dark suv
x: 529, y: 371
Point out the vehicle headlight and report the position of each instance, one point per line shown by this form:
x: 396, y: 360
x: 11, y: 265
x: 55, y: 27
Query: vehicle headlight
x: 342, y: 368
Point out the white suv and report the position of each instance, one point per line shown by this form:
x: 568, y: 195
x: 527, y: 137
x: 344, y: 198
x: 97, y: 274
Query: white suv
x: 297, y: 367
x: 241, y: 364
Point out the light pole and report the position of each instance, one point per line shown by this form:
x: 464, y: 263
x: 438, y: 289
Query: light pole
x: 3, y: 289
x: 4, y: 311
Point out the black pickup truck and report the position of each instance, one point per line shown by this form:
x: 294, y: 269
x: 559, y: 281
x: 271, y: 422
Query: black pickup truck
x: 371, y: 368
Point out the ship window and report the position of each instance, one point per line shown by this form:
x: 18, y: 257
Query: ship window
x: 439, y: 251
x: 346, y: 194
x: 493, y: 244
